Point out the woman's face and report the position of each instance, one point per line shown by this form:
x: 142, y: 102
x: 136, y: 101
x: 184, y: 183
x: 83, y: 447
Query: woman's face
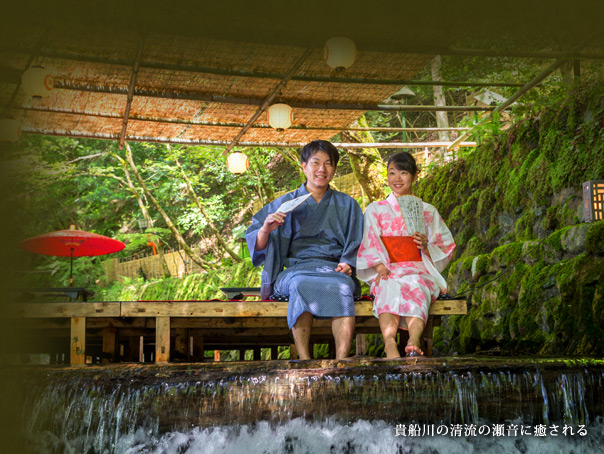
x: 319, y: 171
x: 400, y: 181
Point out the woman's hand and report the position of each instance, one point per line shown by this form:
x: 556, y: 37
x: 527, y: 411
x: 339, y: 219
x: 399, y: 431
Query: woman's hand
x: 382, y: 273
x: 421, y: 241
x: 344, y: 268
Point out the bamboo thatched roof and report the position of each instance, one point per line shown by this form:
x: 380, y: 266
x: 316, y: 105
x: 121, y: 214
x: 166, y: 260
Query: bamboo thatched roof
x: 167, y: 80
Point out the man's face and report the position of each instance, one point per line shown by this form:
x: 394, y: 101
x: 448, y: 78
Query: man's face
x: 319, y: 171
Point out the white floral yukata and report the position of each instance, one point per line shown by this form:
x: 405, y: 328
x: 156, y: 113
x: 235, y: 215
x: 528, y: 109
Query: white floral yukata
x: 413, y: 285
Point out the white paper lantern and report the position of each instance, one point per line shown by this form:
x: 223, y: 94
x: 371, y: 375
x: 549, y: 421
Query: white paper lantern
x: 280, y: 116
x: 340, y: 53
x: 237, y: 162
x: 37, y: 82
x: 10, y: 130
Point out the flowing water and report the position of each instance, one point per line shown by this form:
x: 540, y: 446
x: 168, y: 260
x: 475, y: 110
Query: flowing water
x: 426, y: 405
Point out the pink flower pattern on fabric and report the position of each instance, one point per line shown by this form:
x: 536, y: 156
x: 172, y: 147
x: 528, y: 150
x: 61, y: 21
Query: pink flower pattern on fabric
x: 415, y: 295
x: 410, y: 289
x: 428, y: 217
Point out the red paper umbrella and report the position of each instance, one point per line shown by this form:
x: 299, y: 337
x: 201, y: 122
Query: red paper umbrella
x: 71, y: 243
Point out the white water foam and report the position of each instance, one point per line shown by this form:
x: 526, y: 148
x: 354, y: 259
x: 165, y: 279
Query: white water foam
x: 299, y: 436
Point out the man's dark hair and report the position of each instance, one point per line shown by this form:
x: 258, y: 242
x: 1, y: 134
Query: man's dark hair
x: 320, y: 145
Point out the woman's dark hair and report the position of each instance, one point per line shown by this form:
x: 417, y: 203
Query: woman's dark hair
x: 404, y: 161
x: 320, y: 145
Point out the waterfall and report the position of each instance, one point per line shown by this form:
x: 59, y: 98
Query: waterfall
x: 282, y: 404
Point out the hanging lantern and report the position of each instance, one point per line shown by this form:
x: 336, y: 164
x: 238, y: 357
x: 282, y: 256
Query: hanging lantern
x: 37, y: 82
x: 340, y: 53
x: 10, y: 130
x: 280, y: 116
x: 237, y: 162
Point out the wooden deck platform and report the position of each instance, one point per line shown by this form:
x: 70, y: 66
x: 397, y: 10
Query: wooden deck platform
x: 185, y: 329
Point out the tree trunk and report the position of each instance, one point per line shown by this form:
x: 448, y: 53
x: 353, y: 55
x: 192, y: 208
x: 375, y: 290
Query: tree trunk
x: 367, y: 164
x: 442, y: 120
x: 181, y: 242
x: 213, y: 228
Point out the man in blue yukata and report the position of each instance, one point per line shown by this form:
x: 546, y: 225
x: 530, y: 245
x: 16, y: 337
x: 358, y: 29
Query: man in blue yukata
x: 310, y: 253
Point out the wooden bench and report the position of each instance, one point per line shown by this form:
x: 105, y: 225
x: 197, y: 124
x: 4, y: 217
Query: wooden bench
x: 217, y: 325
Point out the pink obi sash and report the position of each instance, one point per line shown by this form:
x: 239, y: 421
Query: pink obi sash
x: 401, y: 249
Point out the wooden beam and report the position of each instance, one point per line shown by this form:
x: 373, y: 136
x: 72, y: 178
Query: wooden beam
x: 77, y: 355
x: 210, y: 309
x: 227, y: 124
x: 254, y: 309
x: 212, y: 98
x: 268, y: 100
x: 131, y: 90
x: 162, y: 339
x: 301, y: 77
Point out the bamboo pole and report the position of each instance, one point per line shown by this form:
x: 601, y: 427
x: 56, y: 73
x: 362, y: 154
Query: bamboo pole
x: 231, y: 124
x: 206, y: 97
x: 131, y: 86
x: 253, y: 144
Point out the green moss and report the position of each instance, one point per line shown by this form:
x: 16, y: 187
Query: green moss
x: 594, y: 239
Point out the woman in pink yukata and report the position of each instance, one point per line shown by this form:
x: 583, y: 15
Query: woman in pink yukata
x: 404, y: 281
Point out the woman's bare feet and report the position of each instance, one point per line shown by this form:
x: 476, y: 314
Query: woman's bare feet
x: 391, y: 349
x: 413, y: 350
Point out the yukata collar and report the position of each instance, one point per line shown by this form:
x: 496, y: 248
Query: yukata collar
x: 391, y: 199
x: 304, y: 191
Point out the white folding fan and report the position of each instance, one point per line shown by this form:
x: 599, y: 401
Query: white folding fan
x: 412, y: 208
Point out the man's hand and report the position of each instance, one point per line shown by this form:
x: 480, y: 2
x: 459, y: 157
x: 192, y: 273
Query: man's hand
x: 273, y: 221
x: 382, y: 272
x: 344, y: 268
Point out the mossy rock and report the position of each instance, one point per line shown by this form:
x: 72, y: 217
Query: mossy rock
x: 594, y: 239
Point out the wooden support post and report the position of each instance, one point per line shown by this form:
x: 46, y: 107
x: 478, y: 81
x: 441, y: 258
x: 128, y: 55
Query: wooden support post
x: 274, y: 352
x: 196, y: 350
x: 428, y: 335
x: 180, y: 344
x: 242, y: 354
x: 109, y: 344
x: 141, y: 349
x: 361, y: 344
x: 257, y: 354
x: 332, y: 349
x: 78, y: 341
x: 293, y: 353
x: 162, y: 339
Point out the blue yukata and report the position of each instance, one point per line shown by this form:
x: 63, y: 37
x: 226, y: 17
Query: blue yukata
x: 302, y: 254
